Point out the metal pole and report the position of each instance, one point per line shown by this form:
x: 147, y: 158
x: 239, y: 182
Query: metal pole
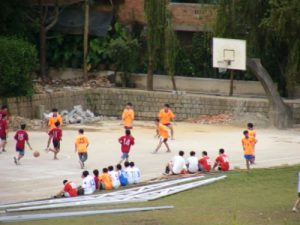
x: 30, y: 217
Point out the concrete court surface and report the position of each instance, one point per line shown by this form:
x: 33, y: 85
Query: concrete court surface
x: 42, y: 177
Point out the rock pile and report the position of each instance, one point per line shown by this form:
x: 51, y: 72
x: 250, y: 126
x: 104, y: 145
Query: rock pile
x: 77, y: 115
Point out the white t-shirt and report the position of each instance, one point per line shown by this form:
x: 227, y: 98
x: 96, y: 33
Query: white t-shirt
x: 115, y: 179
x: 178, y: 164
x: 136, y: 173
x: 129, y: 174
x: 192, y: 164
x: 88, y: 184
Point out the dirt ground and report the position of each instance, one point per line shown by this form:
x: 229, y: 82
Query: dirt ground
x: 42, y: 177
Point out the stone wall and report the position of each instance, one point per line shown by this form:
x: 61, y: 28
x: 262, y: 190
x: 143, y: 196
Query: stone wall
x: 110, y: 102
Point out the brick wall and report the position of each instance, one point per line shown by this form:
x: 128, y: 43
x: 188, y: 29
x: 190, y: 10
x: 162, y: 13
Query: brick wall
x: 110, y: 102
x: 186, y: 17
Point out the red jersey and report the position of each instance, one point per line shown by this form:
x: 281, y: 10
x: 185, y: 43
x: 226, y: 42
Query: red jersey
x: 21, y: 136
x: 96, y: 179
x: 223, y: 162
x: 3, y: 127
x: 126, y: 141
x: 205, y: 162
x: 56, y: 134
x: 70, y: 187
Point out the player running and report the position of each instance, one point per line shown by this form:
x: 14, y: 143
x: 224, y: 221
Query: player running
x: 55, y: 134
x: 222, y: 161
x: 126, y: 142
x: 163, y: 134
x: 128, y: 116
x: 81, y: 147
x: 166, y: 116
x: 21, y: 137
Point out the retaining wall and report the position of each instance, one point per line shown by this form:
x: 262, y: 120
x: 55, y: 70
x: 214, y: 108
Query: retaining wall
x: 110, y: 102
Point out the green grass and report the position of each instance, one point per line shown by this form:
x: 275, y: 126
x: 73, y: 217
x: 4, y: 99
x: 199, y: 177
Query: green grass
x: 264, y: 196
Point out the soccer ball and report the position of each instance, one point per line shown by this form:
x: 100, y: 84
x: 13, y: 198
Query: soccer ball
x: 36, y: 154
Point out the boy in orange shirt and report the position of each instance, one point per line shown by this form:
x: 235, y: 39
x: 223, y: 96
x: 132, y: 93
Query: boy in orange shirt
x: 248, y: 147
x: 163, y: 134
x: 252, y: 134
x: 166, y: 116
x: 105, y: 180
x: 55, y: 118
x: 128, y: 116
x: 81, y: 146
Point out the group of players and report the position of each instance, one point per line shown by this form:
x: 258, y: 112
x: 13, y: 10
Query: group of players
x: 163, y: 126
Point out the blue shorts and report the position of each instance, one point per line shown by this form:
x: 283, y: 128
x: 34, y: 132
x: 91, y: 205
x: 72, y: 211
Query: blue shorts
x: 249, y: 156
x: 125, y: 155
x: 20, y: 151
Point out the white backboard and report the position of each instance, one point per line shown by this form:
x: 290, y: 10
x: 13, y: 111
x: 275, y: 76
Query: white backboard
x: 229, y: 53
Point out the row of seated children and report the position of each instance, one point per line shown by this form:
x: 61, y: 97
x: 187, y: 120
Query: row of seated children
x: 179, y: 165
x: 108, y: 180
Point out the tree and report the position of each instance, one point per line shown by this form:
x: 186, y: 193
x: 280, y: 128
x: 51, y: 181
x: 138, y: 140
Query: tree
x: 47, y: 16
x: 171, y: 49
x: 283, y: 21
x: 155, y: 11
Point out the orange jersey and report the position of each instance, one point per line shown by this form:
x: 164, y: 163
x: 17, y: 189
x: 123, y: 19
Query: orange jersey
x: 82, y: 142
x: 166, y: 117
x: 106, y: 180
x: 53, y: 120
x: 252, y: 134
x: 128, y: 117
x: 248, y: 145
x: 163, y: 131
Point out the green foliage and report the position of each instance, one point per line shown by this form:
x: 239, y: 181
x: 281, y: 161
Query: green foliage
x: 98, y: 52
x: 155, y: 11
x: 184, y: 65
x: 201, y: 54
x: 124, y: 53
x: 18, y: 59
x: 14, y: 20
x: 65, y: 50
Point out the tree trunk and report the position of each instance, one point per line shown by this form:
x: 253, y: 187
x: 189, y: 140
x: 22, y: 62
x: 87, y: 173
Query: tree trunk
x: 85, y: 39
x: 43, y: 62
x: 280, y: 113
x: 150, y: 76
x: 173, y: 83
x: 231, y: 83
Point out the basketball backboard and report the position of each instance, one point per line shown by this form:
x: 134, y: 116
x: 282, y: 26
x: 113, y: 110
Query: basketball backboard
x: 229, y: 53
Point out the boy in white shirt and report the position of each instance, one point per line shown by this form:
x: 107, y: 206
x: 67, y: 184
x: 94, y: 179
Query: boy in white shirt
x: 114, y: 177
x: 192, y: 163
x: 128, y: 172
x: 88, y: 183
x: 136, y: 174
x: 176, y: 165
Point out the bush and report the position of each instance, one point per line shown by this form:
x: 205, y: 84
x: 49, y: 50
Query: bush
x: 18, y: 59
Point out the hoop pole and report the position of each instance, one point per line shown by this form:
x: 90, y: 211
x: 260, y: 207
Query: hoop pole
x: 231, y: 83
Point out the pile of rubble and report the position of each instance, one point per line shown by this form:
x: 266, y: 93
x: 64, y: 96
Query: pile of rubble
x: 77, y: 115
x: 211, y: 119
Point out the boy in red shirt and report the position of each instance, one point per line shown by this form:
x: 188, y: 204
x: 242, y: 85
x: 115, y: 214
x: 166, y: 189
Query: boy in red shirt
x: 126, y: 142
x: 204, y: 162
x: 55, y: 134
x: 21, y: 137
x: 3, y: 131
x: 69, y: 190
x: 222, y: 161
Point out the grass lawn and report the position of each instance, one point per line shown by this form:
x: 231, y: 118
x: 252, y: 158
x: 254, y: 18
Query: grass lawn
x: 264, y: 196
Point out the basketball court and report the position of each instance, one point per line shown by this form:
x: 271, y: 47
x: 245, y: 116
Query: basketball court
x: 42, y: 177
